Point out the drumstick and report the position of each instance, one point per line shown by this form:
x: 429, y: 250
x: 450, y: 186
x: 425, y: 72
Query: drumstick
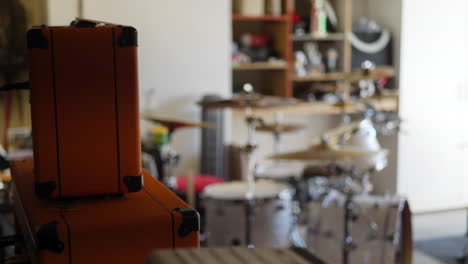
x: 190, y: 189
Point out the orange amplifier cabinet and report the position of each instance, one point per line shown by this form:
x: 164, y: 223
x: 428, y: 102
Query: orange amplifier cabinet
x: 121, y: 229
x: 84, y: 103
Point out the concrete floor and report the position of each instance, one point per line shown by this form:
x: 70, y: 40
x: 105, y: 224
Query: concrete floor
x: 436, y: 225
x: 421, y: 258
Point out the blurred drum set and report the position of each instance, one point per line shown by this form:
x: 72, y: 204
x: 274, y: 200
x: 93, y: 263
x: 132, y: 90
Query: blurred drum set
x: 318, y: 198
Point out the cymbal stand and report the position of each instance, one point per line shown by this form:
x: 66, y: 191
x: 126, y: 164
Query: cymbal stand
x: 348, y: 240
x: 170, y: 159
x: 249, y: 221
x: 349, y: 214
x: 277, y: 133
x: 249, y: 148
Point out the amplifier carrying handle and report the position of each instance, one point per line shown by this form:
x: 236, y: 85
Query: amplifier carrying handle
x: 84, y: 23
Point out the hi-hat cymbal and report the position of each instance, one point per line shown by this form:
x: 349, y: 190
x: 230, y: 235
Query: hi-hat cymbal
x: 253, y: 100
x: 326, y: 152
x: 278, y: 128
x: 174, y: 123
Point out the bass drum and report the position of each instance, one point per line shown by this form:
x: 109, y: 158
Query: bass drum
x: 379, y: 228
x: 227, y: 210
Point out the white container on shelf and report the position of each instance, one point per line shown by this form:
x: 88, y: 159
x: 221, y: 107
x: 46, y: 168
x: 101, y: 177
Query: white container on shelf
x: 249, y: 7
x: 274, y: 7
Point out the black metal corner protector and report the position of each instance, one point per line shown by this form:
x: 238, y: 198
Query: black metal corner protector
x: 133, y: 183
x: 36, y: 40
x: 45, y: 189
x: 190, y: 221
x: 129, y: 37
x: 48, y: 238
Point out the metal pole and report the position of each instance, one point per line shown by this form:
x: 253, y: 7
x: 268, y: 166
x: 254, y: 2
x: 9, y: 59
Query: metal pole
x: 249, y: 219
x: 347, y: 241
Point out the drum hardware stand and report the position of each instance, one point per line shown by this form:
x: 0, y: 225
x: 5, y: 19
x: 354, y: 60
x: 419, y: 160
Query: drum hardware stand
x: 170, y: 161
x: 277, y: 140
x: 249, y: 148
x: 277, y: 134
x: 252, y: 123
x: 249, y: 219
x: 348, y: 243
x: 348, y: 240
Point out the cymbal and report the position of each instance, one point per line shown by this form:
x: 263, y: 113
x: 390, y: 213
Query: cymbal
x: 174, y: 123
x: 333, y: 135
x: 253, y: 100
x: 326, y: 152
x: 278, y: 128
x: 342, y: 130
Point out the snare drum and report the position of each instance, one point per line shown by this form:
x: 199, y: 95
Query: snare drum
x: 226, y: 208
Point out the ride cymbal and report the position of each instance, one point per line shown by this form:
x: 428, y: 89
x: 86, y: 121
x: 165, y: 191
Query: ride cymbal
x: 174, y: 123
x: 278, y: 128
x: 326, y: 152
x: 253, y: 100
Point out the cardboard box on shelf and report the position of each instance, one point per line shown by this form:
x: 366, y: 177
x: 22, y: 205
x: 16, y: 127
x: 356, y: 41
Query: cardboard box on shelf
x: 274, y: 7
x: 249, y: 7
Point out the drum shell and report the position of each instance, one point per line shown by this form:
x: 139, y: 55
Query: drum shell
x: 383, y: 252
x: 271, y: 225
x: 325, y: 231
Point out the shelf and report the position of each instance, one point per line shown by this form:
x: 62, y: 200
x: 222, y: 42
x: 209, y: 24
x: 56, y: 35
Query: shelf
x: 324, y: 77
x: 236, y: 17
x: 387, y: 103
x: 379, y: 72
x: 356, y: 75
x: 319, y: 37
x: 260, y: 66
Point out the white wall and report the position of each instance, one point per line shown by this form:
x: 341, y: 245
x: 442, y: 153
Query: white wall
x: 61, y: 12
x: 434, y: 104
x: 184, y: 52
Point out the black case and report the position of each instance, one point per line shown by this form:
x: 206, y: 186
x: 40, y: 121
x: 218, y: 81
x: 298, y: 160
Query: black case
x: 381, y: 58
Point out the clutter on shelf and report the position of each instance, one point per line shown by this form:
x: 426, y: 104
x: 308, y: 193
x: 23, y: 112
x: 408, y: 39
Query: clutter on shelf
x: 254, y: 48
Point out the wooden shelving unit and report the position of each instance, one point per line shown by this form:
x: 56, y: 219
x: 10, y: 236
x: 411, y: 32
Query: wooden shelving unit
x: 325, y: 77
x: 388, y: 103
x: 258, y: 66
x: 337, y: 40
x: 267, y: 78
x: 379, y: 72
x: 280, y: 79
x: 319, y: 37
x: 260, y: 18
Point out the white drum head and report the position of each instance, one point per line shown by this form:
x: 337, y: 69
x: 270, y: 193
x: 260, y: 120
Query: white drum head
x: 280, y: 171
x: 239, y: 190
